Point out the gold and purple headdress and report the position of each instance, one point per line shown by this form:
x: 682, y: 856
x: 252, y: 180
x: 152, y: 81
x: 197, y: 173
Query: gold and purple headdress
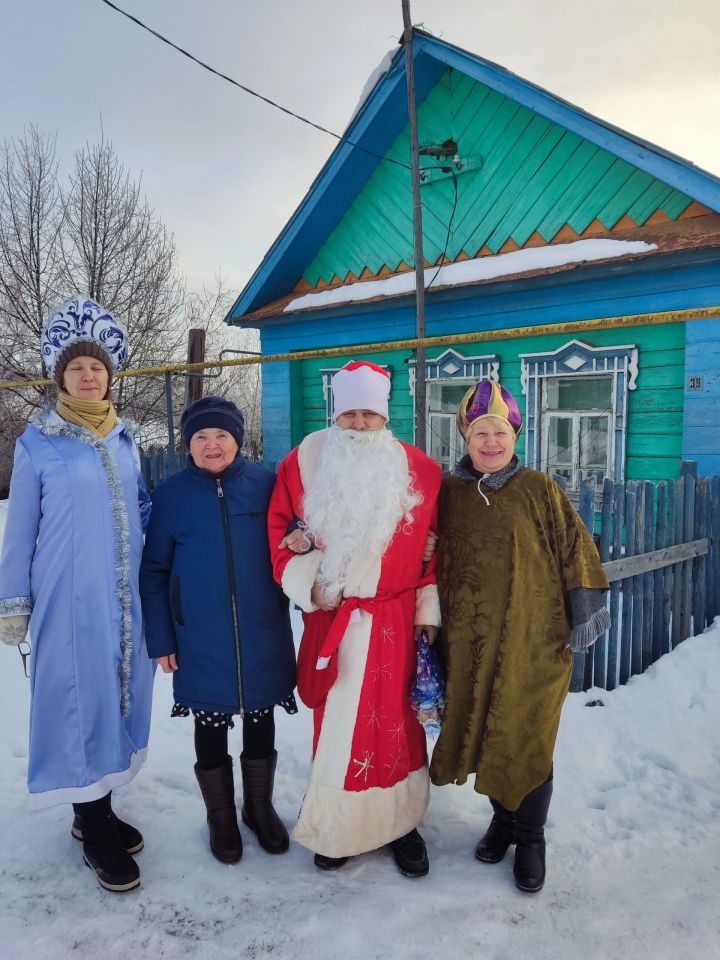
x: 488, y: 399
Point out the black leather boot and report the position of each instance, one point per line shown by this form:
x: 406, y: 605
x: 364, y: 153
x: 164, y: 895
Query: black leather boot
x: 218, y: 791
x: 258, y: 812
x: 103, y: 851
x: 130, y: 837
x: 530, y: 818
x: 329, y: 863
x: 493, y: 846
x: 410, y: 854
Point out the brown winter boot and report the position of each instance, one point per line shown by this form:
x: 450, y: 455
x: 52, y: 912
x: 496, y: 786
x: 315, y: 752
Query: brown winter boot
x: 218, y: 792
x: 257, y: 811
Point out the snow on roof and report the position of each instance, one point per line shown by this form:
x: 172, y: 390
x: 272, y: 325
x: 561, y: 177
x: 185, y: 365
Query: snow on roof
x: 378, y: 73
x: 473, y: 271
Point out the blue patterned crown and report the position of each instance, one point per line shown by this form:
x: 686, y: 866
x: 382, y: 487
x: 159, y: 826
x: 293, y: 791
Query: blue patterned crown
x: 81, y: 319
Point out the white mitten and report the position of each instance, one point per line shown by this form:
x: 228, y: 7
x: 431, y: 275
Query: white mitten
x: 13, y: 629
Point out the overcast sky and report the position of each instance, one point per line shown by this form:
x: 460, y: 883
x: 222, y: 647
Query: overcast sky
x: 225, y: 171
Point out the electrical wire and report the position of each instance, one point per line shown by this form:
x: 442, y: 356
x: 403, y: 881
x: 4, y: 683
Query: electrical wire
x: 449, y: 229
x: 254, y: 93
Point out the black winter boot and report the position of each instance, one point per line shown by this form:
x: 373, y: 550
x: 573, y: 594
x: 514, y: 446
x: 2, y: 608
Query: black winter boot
x: 218, y: 791
x: 103, y: 851
x: 130, y: 837
x: 329, y: 863
x: 258, y: 813
x: 410, y: 855
x: 493, y: 846
x: 530, y: 818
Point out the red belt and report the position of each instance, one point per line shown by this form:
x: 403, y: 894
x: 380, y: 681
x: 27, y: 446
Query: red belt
x: 342, y: 619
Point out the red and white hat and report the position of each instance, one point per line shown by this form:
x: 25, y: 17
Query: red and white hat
x: 361, y: 385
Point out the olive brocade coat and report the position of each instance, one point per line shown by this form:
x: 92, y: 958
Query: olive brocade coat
x: 504, y: 572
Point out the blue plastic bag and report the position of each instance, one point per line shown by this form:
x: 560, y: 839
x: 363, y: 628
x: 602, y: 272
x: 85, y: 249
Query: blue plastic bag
x: 428, y: 690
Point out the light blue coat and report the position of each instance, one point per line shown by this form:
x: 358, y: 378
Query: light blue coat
x: 70, y: 559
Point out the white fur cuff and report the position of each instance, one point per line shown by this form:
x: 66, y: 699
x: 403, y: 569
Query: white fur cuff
x: 298, y: 579
x: 427, y: 606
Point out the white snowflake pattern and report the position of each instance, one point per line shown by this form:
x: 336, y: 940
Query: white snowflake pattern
x: 398, y: 730
x: 364, y: 765
x: 387, y: 634
x: 382, y: 671
x: 395, y: 763
x: 374, y: 715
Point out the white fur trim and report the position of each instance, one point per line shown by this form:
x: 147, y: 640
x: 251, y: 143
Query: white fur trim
x: 427, y: 606
x: 362, y: 388
x: 298, y: 578
x: 338, y: 822
x: 93, y: 791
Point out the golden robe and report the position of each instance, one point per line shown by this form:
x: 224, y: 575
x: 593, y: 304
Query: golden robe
x: 503, y: 573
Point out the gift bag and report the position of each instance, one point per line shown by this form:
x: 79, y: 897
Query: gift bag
x: 428, y: 689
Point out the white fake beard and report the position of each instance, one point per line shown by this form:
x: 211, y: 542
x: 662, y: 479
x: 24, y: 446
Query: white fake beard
x: 361, y: 491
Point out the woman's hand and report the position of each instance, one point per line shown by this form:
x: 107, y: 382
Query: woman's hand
x: 432, y: 539
x: 167, y: 664
x: 297, y: 541
x: 431, y: 632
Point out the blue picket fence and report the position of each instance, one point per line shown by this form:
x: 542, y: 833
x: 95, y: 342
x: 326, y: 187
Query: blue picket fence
x: 159, y: 463
x: 660, y: 546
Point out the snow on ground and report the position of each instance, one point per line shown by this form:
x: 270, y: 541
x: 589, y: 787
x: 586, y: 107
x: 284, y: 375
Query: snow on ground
x: 633, y: 850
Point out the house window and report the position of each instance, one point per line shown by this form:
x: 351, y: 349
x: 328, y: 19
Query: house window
x: 445, y: 445
x: 448, y: 378
x: 576, y: 410
x: 576, y: 428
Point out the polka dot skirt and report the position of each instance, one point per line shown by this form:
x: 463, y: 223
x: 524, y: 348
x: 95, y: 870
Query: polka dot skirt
x: 213, y: 718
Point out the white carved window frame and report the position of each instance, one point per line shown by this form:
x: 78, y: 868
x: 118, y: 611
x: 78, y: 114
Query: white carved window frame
x: 453, y: 366
x: 579, y: 359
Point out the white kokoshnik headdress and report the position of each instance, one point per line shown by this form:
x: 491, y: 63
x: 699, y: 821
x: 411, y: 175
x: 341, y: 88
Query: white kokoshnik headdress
x: 81, y: 321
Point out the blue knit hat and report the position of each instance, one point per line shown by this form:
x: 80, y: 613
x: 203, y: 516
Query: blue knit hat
x: 212, y: 413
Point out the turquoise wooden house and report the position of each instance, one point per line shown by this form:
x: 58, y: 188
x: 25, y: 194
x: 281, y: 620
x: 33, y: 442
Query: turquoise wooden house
x: 573, y: 261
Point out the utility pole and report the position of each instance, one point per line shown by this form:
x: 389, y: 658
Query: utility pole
x: 420, y: 436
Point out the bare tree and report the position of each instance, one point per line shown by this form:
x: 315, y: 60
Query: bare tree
x: 31, y: 281
x: 120, y: 253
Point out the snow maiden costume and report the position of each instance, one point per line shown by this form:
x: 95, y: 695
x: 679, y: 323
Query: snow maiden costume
x: 369, y: 782
x: 70, y: 562
x: 521, y: 586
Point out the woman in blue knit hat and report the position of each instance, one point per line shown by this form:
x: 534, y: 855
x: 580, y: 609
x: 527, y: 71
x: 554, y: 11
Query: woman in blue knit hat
x: 217, y: 621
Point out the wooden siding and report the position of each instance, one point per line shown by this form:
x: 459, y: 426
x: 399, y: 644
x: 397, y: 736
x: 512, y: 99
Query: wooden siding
x: 701, y: 441
x: 536, y: 179
x: 655, y: 408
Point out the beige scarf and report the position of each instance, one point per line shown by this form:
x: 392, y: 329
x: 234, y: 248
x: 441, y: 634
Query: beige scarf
x: 97, y: 416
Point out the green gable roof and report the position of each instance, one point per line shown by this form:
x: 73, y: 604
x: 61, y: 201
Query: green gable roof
x: 526, y: 175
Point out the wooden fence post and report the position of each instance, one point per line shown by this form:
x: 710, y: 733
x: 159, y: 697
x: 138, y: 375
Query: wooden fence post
x: 647, y: 580
x: 627, y: 592
x: 599, y: 650
x: 618, y: 512
x: 677, y: 567
x: 699, y: 575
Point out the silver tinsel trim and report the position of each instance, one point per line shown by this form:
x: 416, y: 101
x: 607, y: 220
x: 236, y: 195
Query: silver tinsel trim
x: 584, y: 635
x: 16, y: 607
x: 122, y: 540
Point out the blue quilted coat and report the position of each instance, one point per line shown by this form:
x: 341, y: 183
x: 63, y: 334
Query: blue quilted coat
x: 208, y: 593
